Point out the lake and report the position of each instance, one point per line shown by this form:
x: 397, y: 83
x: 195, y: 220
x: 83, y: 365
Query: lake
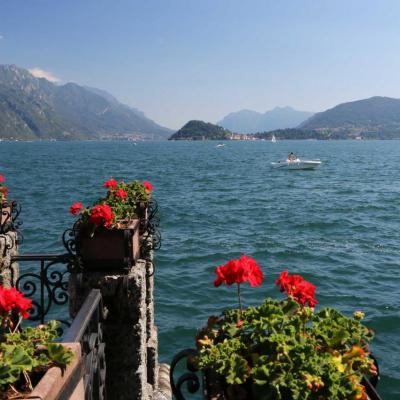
x: 338, y: 225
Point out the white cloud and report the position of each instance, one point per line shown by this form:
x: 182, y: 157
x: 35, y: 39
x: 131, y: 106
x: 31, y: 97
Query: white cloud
x: 41, y: 73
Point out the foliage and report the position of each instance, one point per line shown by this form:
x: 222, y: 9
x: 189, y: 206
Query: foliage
x: 3, y: 190
x: 119, y: 206
x: 285, y: 350
x: 28, y: 351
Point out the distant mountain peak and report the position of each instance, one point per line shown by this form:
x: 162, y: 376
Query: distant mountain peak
x: 248, y: 121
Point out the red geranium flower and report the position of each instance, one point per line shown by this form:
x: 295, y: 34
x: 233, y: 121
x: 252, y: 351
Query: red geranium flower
x: 76, y: 208
x: 296, y: 287
x: 102, y: 215
x: 121, y: 193
x: 1, y: 178
x: 245, y: 269
x: 111, y: 184
x: 12, y: 299
x: 148, y: 186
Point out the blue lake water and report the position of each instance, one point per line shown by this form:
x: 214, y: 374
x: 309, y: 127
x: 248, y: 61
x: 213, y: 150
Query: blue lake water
x: 338, y: 226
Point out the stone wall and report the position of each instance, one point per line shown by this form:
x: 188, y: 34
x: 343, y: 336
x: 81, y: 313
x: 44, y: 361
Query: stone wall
x: 8, y: 248
x: 130, y: 334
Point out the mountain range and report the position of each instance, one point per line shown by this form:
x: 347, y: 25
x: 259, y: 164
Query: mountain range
x: 376, y: 117
x: 247, y: 121
x: 373, y: 118
x: 34, y: 108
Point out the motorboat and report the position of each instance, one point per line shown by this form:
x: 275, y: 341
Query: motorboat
x: 297, y: 164
x: 220, y: 145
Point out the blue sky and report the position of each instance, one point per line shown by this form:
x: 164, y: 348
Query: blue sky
x: 178, y: 60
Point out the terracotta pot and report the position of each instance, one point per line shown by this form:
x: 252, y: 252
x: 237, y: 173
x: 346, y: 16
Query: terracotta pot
x: 55, y: 383
x: 116, y: 248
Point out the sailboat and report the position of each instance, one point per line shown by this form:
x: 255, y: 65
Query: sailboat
x: 273, y: 139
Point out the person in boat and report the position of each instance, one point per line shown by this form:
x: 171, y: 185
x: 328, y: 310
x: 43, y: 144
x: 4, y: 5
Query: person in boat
x: 291, y: 156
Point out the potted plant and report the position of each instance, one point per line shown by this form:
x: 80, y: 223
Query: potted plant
x: 25, y: 354
x: 282, y: 349
x: 107, y: 233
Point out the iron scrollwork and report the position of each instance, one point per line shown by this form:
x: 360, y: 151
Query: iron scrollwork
x: 47, y: 286
x: 191, y: 378
x: 150, y: 227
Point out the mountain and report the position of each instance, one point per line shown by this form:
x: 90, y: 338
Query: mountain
x: 375, y: 118
x: 199, y: 130
x: 34, y: 108
x: 247, y: 121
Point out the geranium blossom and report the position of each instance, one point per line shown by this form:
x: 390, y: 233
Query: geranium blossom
x: 12, y: 299
x: 148, y: 186
x: 244, y: 269
x: 295, y: 286
x: 102, y: 214
x: 1, y: 178
x: 76, y: 208
x: 111, y: 184
x: 121, y: 193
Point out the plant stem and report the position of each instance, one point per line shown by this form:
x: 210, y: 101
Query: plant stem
x: 240, y: 302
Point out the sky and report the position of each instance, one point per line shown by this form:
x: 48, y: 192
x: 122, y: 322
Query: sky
x: 178, y: 60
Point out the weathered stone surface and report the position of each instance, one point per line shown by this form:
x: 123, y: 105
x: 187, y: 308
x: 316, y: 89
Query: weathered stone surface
x: 152, y: 358
x: 163, y: 391
x: 149, y: 298
x: 8, y: 248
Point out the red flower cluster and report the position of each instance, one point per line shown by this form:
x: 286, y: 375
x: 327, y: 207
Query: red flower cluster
x: 111, y: 184
x: 121, y: 193
x: 102, y: 215
x: 148, y: 186
x: 76, y: 208
x: 1, y: 178
x: 12, y: 299
x: 245, y: 269
x: 295, y: 286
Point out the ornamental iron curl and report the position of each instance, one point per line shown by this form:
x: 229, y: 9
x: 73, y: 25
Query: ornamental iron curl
x: 190, y: 378
x: 48, y: 285
x: 150, y: 228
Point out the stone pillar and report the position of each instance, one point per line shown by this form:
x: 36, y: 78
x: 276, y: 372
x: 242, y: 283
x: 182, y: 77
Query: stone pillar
x: 9, y: 271
x: 130, y: 335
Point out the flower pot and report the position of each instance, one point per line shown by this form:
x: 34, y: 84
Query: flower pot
x: 56, y: 384
x: 116, y: 248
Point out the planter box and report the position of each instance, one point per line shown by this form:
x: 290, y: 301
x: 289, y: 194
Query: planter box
x: 115, y: 248
x: 68, y: 384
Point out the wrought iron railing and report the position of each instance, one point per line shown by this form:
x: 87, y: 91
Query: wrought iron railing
x: 87, y: 329
x: 47, y: 285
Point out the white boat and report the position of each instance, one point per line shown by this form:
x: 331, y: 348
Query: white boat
x: 220, y: 145
x: 297, y: 164
x: 273, y: 139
